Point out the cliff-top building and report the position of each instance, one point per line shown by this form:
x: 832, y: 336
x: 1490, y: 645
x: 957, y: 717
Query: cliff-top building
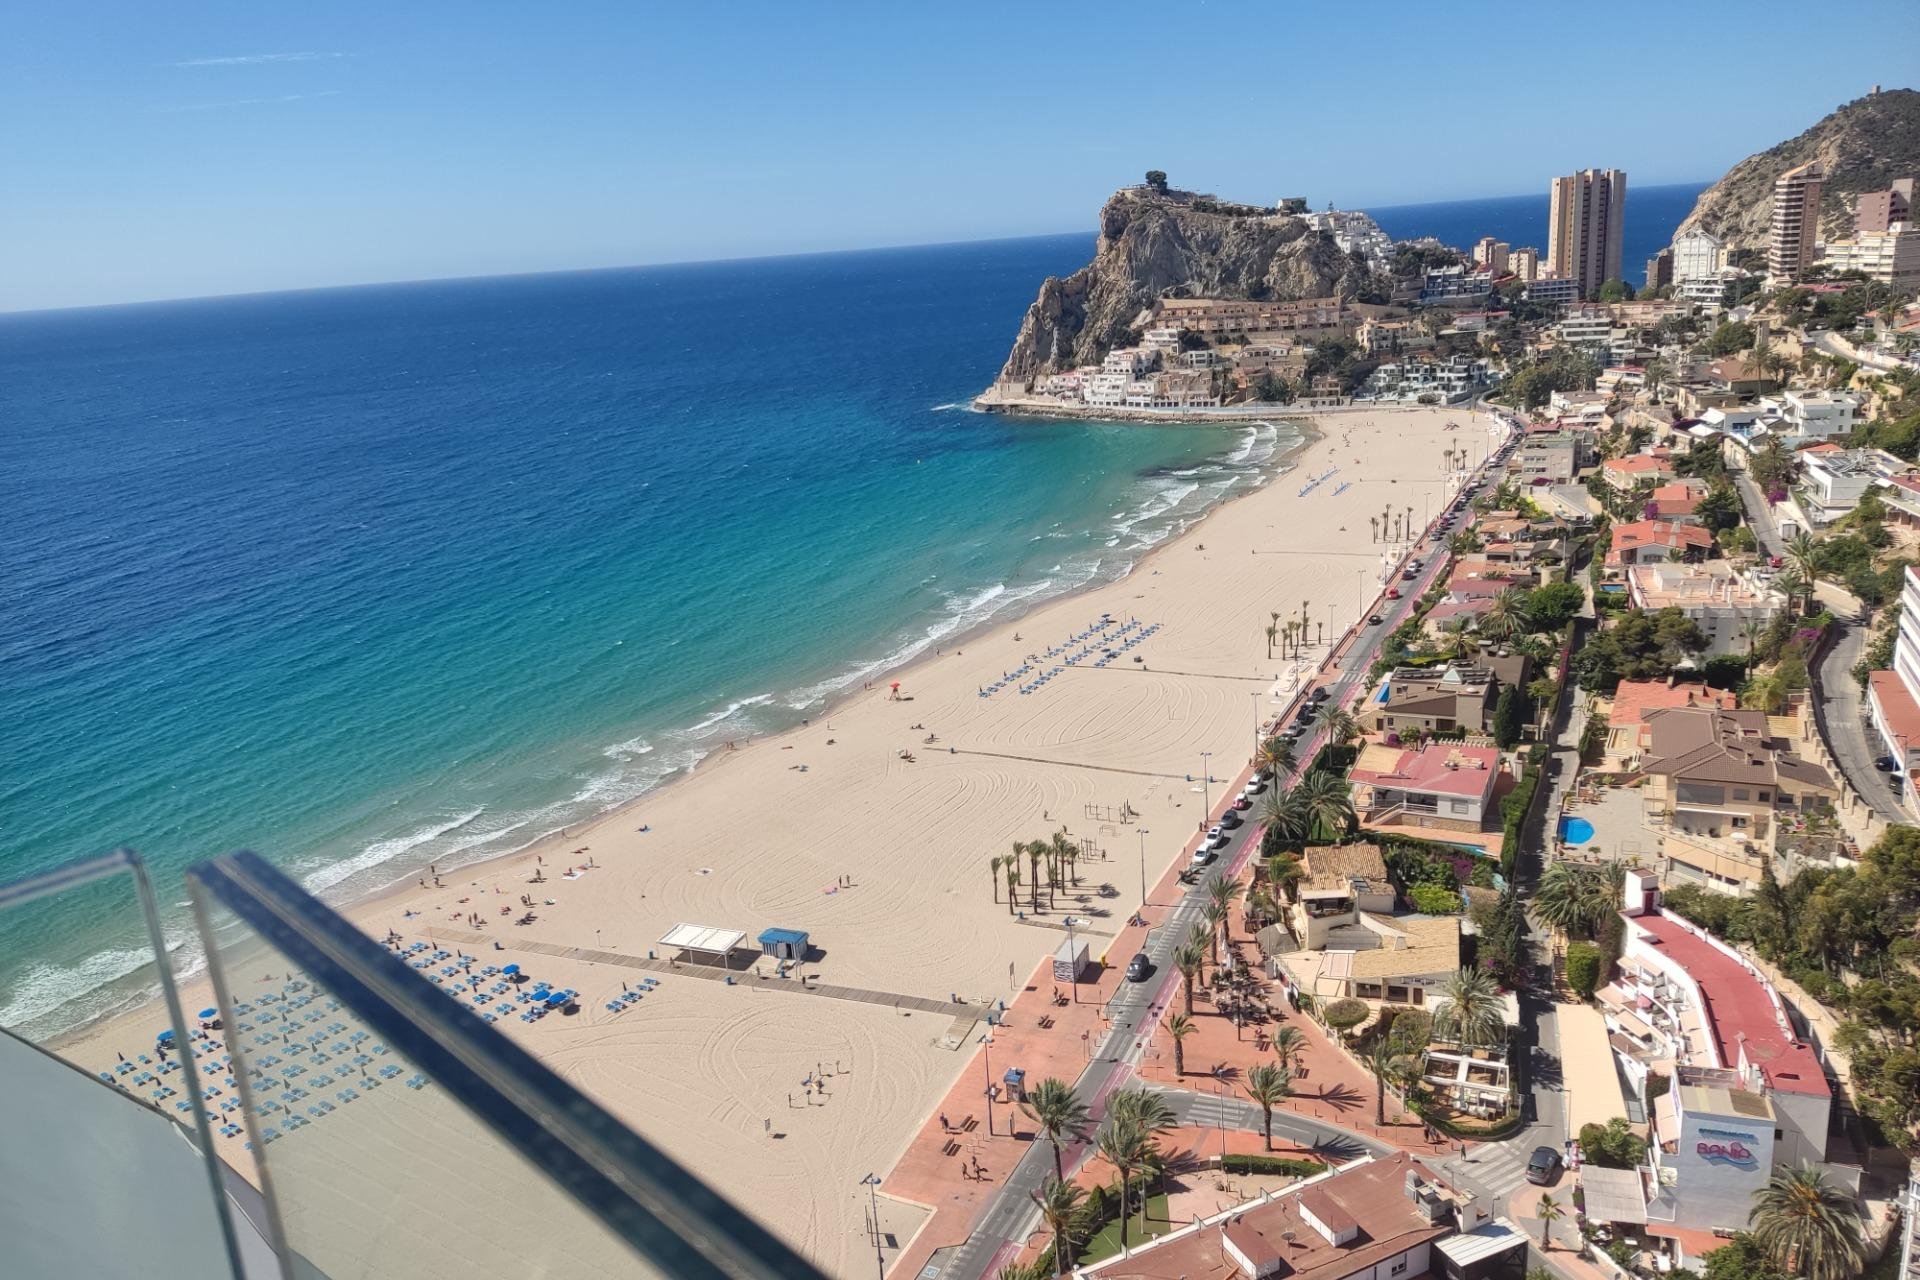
x: 1584, y: 222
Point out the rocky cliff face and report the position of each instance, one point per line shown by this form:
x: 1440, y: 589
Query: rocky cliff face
x: 1151, y: 245
x: 1863, y: 146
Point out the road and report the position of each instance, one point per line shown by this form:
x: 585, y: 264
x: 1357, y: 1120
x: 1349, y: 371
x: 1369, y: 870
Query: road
x: 1011, y: 1216
x: 1838, y: 708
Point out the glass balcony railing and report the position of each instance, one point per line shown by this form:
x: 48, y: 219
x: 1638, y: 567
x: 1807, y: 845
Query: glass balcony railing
x: 356, y: 1122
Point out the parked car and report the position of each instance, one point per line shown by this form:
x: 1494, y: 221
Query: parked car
x: 1242, y: 802
x: 1393, y: 593
x: 1887, y: 764
x: 1254, y: 787
x: 1543, y: 1167
x: 1203, y: 855
x: 1139, y: 967
x: 1216, y: 834
x: 1230, y: 819
x: 1375, y: 620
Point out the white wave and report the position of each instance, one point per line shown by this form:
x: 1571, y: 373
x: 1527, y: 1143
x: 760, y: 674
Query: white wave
x: 381, y: 851
x: 732, y: 709
x: 942, y: 408
x: 627, y: 750
x: 44, y: 988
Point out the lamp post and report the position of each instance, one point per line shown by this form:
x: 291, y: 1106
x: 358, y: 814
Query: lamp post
x: 986, y: 1056
x: 872, y: 1183
x: 1206, y: 795
x: 1144, y: 833
x: 1255, y: 695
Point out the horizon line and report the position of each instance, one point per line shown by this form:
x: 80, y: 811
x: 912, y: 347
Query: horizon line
x: 670, y: 262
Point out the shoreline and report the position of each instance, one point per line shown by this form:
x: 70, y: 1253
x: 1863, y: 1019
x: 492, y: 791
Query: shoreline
x: 868, y: 828
x: 372, y: 896
x: 1045, y: 407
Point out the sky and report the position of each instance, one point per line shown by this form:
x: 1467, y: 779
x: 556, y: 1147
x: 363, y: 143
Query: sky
x: 193, y: 149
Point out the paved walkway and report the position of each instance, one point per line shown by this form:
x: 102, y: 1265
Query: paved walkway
x: 713, y: 973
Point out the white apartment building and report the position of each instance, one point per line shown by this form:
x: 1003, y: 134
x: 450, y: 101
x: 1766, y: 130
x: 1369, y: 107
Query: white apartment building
x: 1719, y: 600
x: 1551, y: 291
x: 1131, y: 361
x: 1806, y: 416
x: 1586, y: 327
x: 1832, y: 484
x: 1891, y: 256
x: 1710, y: 291
x: 1104, y: 389
x: 1698, y: 255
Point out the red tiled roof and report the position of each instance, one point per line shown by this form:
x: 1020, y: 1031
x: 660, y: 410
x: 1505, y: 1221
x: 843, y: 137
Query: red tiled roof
x: 1440, y: 768
x: 1636, y: 464
x: 1741, y: 1010
x: 1655, y: 533
x: 1634, y: 698
x: 1897, y: 706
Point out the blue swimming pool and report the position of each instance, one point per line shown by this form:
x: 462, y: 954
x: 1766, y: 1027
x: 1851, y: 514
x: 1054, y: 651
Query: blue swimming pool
x: 1576, y: 830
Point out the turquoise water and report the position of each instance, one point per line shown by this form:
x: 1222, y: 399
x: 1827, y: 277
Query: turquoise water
x: 368, y: 578
x: 1576, y: 830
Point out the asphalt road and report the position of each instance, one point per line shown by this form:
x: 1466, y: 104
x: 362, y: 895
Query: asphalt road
x: 1839, y: 709
x: 1011, y: 1215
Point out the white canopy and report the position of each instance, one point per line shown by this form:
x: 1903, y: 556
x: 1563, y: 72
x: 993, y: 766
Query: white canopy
x: 701, y: 937
x: 1613, y: 1195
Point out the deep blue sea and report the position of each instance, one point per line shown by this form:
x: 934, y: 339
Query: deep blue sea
x: 363, y: 578
x: 1652, y: 215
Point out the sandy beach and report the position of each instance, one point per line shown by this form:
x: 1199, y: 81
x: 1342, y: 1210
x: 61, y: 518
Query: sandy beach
x: 873, y: 828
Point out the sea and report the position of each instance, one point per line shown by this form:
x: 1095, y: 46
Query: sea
x: 1653, y: 214
x: 365, y: 579
x: 368, y: 578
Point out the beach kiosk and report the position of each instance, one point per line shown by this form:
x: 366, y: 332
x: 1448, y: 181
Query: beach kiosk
x: 1016, y: 1082
x: 703, y: 944
x: 1070, y: 961
x: 784, y: 944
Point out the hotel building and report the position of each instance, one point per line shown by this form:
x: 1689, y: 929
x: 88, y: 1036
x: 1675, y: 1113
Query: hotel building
x: 1698, y: 255
x: 1795, y: 228
x: 1586, y: 214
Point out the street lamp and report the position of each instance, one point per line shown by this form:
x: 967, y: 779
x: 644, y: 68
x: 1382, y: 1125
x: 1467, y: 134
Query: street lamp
x: 872, y: 1182
x: 986, y: 1055
x: 1206, y: 796
x: 1144, y: 833
x: 1255, y: 695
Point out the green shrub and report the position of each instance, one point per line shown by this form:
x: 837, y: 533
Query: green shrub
x: 1584, y: 965
x: 1271, y: 1164
x: 1433, y: 900
x: 1344, y: 1015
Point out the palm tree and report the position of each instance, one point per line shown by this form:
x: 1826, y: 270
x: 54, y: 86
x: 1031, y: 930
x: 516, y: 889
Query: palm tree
x: 1267, y: 1086
x: 1276, y: 757
x: 1807, y: 1226
x: 1063, y: 1208
x: 1470, y: 1009
x: 1750, y: 630
x: 1142, y: 1107
x: 1281, y: 809
x: 1549, y: 1212
x: 1034, y: 853
x: 1180, y: 1026
x: 1262, y: 906
x: 1328, y: 802
x: 1057, y: 1110
x: 1802, y: 553
x: 1188, y: 959
x: 1559, y: 901
x: 1215, y: 914
x: 1224, y: 890
x: 1305, y: 626
x: 1375, y: 522
x: 1339, y: 723
x: 1288, y: 1044
x: 1271, y: 632
x: 1038, y: 1269
x: 996, y: 862
x: 1766, y: 693
x: 1381, y: 1061
x: 1013, y: 882
x: 1506, y: 615
x: 1126, y: 1147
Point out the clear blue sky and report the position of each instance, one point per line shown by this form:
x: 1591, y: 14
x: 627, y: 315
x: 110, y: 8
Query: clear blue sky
x: 189, y: 148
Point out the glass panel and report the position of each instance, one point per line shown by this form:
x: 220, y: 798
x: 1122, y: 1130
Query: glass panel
x: 375, y: 1169
x: 101, y: 1158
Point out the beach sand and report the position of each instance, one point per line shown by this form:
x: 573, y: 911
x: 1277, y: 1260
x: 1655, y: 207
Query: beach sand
x: 766, y: 835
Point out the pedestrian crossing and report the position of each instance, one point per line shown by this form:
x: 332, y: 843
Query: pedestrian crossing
x: 1499, y: 1167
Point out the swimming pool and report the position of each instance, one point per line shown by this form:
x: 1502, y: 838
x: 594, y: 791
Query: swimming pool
x: 1576, y: 830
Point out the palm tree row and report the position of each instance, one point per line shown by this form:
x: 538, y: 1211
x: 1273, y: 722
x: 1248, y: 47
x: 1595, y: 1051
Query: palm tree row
x: 1320, y: 801
x: 1060, y: 857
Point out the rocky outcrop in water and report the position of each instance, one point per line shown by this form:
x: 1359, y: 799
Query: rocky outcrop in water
x: 1155, y: 244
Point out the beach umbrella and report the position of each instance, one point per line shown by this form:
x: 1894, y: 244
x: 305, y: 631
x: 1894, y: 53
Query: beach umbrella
x: 164, y: 1036
x: 558, y: 998
x: 209, y: 1013
x: 511, y: 969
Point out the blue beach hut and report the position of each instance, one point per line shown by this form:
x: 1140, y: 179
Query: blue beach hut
x: 784, y: 944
